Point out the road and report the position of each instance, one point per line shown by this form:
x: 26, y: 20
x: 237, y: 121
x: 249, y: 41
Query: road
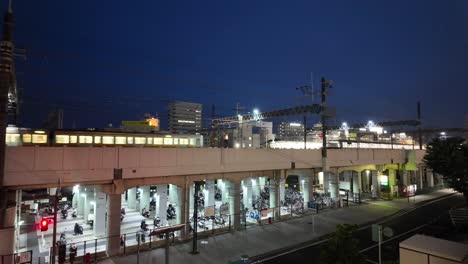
x: 429, y: 218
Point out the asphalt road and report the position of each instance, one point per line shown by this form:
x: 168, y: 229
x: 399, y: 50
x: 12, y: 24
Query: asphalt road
x: 431, y: 219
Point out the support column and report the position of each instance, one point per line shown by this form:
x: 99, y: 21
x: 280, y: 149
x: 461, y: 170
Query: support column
x: 122, y: 198
x: 144, y: 197
x: 419, y: 177
x: 131, y: 193
x: 235, y: 196
x: 81, y: 202
x: 392, y: 182
x: 356, y: 183
x: 184, y: 202
x: 274, y: 198
x: 430, y: 178
x: 76, y: 197
x: 334, y: 183
x: 162, y: 203
x: 99, y: 213
x: 404, y: 177
x: 210, y: 187
x: 114, y: 202
x: 375, y: 183
x: 311, y: 188
x: 87, y: 204
x: 7, y: 231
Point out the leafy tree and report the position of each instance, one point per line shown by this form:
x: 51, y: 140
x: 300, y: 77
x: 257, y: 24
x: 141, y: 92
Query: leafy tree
x: 342, y: 248
x: 449, y: 157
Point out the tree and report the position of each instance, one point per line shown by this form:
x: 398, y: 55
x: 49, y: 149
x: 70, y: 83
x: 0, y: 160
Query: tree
x: 342, y: 248
x: 449, y: 157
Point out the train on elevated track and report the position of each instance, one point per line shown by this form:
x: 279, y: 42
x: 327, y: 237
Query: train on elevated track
x: 98, y: 137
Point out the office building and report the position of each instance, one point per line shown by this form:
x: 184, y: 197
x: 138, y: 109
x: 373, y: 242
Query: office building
x: 290, y: 130
x: 185, y: 117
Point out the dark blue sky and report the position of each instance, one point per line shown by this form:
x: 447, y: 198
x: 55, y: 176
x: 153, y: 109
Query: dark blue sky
x: 104, y: 61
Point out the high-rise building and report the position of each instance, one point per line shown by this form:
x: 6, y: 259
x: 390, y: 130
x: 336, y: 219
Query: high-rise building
x: 185, y: 117
x: 290, y: 130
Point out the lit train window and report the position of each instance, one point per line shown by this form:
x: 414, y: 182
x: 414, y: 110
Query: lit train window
x: 140, y: 140
x: 97, y: 139
x: 158, y: 141
x: 12, y: 138
x: 149, y: 140
x: 62, y: 139
x: 193, y: 142
x: 120, y: 140
x: 39, y: 138
x: 108, y: 140
x: 85, y: 139
x: 73, y: 139
x: 26, y: 138
x: 129, y: 140
x: 167, y: 141
x: 176, y: 141
x: 184, y: 141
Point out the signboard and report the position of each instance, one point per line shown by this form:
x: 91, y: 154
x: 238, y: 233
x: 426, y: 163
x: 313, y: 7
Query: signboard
x: 135, y: 123
x: 24, y: 257
x: 375, y: 232
x: 209, y: 211
x: 411, y: 190
x: 384, y: 180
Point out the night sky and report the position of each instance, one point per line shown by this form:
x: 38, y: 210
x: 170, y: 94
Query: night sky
x: 106, y: 61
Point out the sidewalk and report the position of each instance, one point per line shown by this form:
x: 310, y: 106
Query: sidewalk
x: 262, y: 239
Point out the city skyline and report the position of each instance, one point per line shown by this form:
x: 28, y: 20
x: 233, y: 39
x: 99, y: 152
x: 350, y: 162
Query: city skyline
x: 227, y: 53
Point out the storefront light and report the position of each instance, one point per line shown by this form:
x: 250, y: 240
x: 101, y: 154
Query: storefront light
x: 384, y: 180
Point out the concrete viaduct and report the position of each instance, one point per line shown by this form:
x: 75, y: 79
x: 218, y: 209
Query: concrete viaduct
x: 115, y: 170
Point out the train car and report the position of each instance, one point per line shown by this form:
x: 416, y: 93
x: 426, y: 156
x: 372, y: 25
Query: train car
x: 91, y: 137
x: 114, y: 138
x: 25, y: 136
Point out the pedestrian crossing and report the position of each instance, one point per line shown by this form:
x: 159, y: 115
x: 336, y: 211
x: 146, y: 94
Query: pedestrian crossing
x: 459, y: 216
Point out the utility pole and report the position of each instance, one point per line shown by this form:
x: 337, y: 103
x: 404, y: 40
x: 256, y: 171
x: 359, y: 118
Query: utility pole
x: 419, y: 125
x: 305, y: 132
x: 7, y: 81
x: 325, y: 169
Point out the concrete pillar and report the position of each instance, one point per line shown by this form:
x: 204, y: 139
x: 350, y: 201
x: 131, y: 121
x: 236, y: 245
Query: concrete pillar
x: 114, y: 202
x: 304, y: 182
x: 419, y: 177
x: 88, y: 198
x: 162, y: 203
x: 359, y: 179
x: 430, y: 178
x: 99, y: 213
x: 392, y: 182
x: 210, y: 193
x: 310, y: 187
x: 144, y: 197
x: 274, y: 198
x: 404, y: 177
x: 7, y: 231
x: 81, y: 202
x: 235, y: 196
x: 123, y: 197
x: 375, y: 183
x: 356, y: 182
x: 334, y: 183
x: 76, y: 196
x: 131, y: 196
x: 184, y: 203
x: 282, y: 191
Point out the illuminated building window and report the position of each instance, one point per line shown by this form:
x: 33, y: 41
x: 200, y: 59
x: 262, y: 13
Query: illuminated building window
x: 85, y: 139
x: 120, y: 140
x: 107, y: 140
x: 158, y: 141
x: 39, y: 138
x: 176, y: 141
x: 62, y: 139
x: 129, y: 140
x: 97, y: 139
x: 73, y: 139
x: 167, y: 141
x: 149, y: 141
x: 140, y: 140
x: 186, y: 121
x: 184, y: 141
x: 26, y: 138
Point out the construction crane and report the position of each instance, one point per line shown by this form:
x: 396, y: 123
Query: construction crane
x: 256, y: 115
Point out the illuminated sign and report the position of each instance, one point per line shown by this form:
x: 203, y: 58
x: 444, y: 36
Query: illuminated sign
x: 384, y: 180
x: 295, y: 124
